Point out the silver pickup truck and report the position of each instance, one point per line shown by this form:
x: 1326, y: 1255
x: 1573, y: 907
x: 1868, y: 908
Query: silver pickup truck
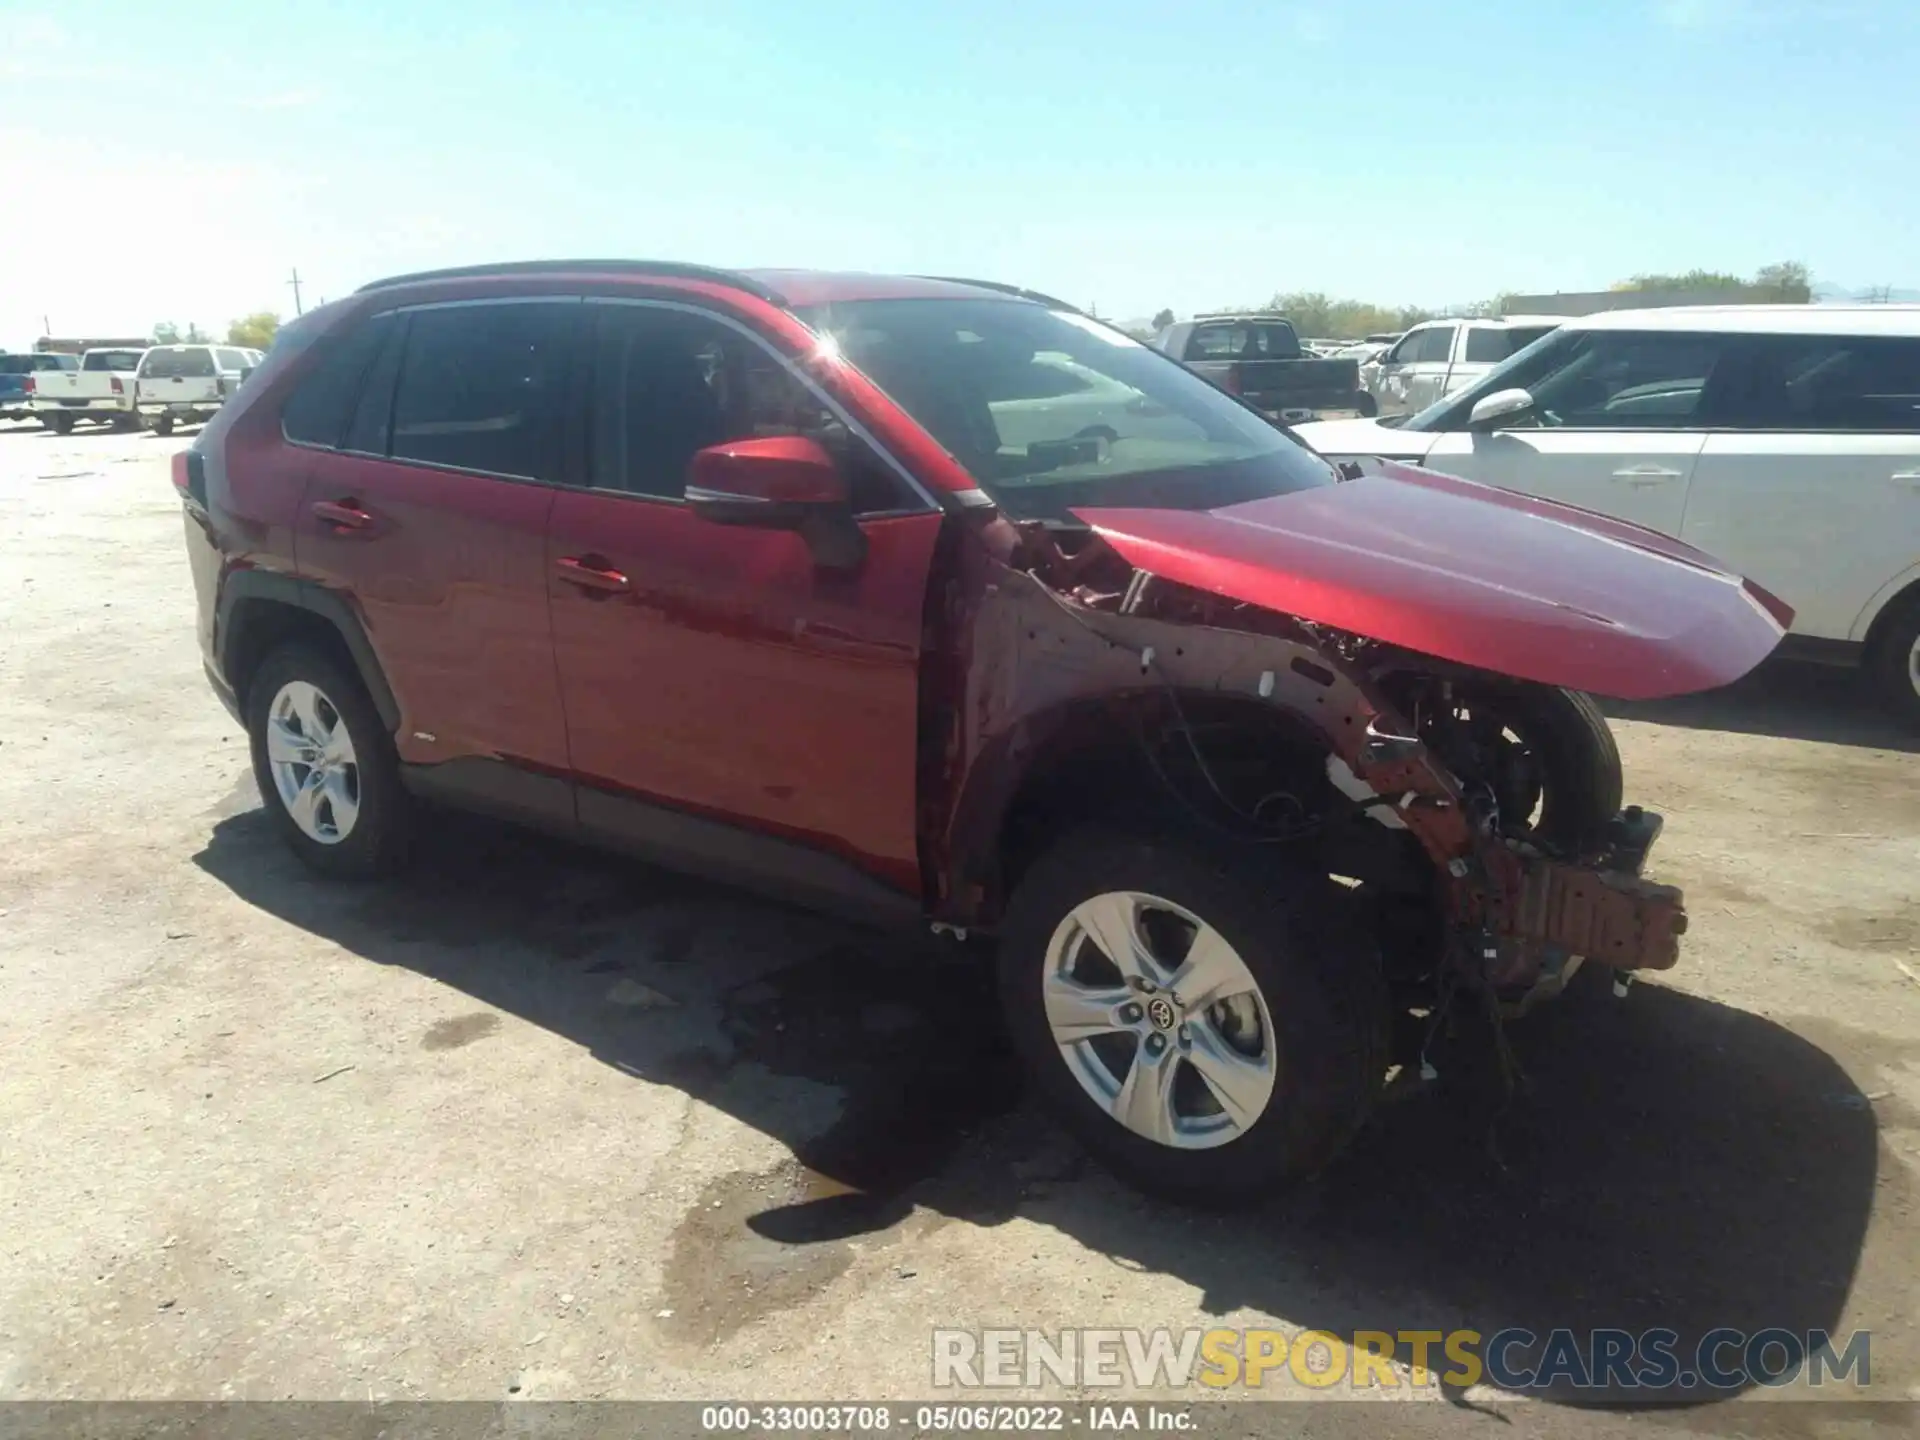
x: 1439, y: 357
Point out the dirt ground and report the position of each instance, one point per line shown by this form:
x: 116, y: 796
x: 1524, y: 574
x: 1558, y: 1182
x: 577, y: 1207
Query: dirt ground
x: 548, y: 1124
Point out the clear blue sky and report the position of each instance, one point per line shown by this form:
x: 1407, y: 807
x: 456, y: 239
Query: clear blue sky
x: 171, y: 160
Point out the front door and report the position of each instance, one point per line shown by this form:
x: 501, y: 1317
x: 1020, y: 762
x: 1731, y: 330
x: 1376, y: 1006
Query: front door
x: 431, y: 519
x: 732, y: 706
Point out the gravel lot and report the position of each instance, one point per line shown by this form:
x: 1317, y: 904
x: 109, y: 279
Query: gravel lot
x: 550, y: 1124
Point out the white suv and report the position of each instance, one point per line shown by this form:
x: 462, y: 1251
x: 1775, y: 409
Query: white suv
x: 1782, y: 439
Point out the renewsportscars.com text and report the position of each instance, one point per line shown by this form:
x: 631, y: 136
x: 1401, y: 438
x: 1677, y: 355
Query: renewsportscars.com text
x: 1513, y: 1359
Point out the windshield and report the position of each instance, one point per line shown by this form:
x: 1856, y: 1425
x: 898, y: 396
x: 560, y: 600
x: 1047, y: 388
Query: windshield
x: 1049, y: 410
x: 1440, y: 415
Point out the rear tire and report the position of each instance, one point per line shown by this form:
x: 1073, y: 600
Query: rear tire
x: 1308, y: 990
x: 163, y: 425
x: 346, y: 814
x: 60, y: 424
x: 1895, y: 660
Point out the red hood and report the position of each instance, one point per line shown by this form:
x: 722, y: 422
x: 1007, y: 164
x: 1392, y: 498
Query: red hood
x: 1473, y: 574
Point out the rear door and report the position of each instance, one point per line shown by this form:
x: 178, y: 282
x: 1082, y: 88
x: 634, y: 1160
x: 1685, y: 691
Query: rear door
x: 430, y: 518
x: 1618, y: 421
x: 731, y: 705
x: 1815, y: 490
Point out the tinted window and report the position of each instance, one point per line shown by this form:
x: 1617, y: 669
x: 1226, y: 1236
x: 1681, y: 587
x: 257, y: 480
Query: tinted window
x: 1485, y: 344
x: 1436, y: 344
x: 668, y: 383
x: 1149, y: 431
x: 1245, y: 340
x: 1784, y: 382
x: 121, y: 361
x: 1407, y: 349
x: 1610, y: 380
x: 1046, y: 377
x: 480, y: 388
x: 37, y: 364
x: 194, y: 362
x: 373, y: 410
x: 316, y: 412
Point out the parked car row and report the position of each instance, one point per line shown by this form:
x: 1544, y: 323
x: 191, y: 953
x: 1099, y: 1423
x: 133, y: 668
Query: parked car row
x: 1784, y: 440
x: 154, y: 388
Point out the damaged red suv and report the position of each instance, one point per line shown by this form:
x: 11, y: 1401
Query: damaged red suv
x: 937, y: 601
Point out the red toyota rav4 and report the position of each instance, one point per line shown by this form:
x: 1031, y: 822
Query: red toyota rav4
x: 929, y: 600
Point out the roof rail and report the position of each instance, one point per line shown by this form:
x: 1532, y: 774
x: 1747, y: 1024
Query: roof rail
x: 1005, y: 289
x: 664, y: 268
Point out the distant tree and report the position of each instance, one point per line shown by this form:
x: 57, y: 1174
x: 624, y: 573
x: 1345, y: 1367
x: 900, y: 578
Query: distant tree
x: 1161, y: 320
x: 166, y: 333
x: 1317, y: 314
x: 1788, y: 282
x: 255, y: 331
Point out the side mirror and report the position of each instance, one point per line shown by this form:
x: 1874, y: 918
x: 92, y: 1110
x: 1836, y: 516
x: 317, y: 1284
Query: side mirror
x: 779, y: 482
x: 1497, y: 406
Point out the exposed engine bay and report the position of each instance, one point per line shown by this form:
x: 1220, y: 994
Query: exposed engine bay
x: 1463, y: 808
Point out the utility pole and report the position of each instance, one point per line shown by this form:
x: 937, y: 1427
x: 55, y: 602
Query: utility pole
x: 295, y: 283
x: 46, y: 325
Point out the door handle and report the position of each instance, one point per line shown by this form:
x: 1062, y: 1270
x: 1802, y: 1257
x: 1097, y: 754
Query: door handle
x: 342, y: 514
x: 592, y: 573
x: 1643, y: 476
x: 1908, y: 478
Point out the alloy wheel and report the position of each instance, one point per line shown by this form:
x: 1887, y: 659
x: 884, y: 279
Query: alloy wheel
x: 1159, y: 1020
x: 314, y: 768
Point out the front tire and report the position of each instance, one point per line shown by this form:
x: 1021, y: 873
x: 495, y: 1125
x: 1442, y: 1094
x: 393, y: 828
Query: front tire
x: 325, y: 765
x: 1258, y: 1074
x: 1895, y: 661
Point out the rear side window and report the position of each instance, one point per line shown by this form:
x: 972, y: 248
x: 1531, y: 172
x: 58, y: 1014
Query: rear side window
x: 1485, y: 344
x: 1838, y: 383
x: 316, y: 413
x: 480, y: 388
x: 192, y: 363
x: 373, y: 410
x: 234, y: 360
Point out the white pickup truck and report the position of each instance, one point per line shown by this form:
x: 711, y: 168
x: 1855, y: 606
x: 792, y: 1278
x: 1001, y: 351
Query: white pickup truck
x: 186, y: 384
x: 101, y: 389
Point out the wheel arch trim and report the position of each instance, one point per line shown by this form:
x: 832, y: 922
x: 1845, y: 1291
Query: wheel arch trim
x: 245, y: 587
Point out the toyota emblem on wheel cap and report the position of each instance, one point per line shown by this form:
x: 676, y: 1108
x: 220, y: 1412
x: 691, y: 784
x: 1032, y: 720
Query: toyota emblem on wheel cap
x: 1161, y: 1012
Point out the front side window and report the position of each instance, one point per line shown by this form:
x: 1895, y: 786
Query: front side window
x: 1145, y: 431
x: 1600, y: 380
x: 1833, y: 383
x: 480, y: 388
x: 668, y: 383
x: 1406, y: 349
x: 1436, y: 345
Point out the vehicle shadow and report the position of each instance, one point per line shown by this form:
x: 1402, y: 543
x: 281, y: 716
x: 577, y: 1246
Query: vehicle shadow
x: 1668, y: 1161
x: 1792, y: 699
